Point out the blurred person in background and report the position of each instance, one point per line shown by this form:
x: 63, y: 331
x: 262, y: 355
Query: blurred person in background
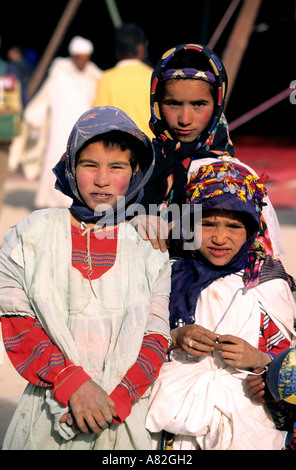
x: 127, y: 85
x: 66, y: 93
x: 10, y: 113
x: 24, y: 69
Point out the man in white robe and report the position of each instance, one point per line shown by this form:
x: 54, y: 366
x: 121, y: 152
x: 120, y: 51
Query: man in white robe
x: 66, y: 93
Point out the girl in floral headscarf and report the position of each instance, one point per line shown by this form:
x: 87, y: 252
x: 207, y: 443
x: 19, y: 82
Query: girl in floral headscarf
x: 84, y: 300
x: 231, y: 311
x: 188, y: 92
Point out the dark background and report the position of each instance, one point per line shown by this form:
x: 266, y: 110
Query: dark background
x: 268, y: 66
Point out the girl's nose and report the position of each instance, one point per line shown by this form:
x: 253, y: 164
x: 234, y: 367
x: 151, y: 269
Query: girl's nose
x: 102, y: 177
x: 185, y: 116
x: 219, y: 236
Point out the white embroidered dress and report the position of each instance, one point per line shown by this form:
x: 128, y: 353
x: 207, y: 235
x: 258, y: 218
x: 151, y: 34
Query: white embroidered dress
x: 103, y: 334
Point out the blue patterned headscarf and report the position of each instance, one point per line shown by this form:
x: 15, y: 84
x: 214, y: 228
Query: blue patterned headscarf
x: 214, y: 140
x: 92, y: 123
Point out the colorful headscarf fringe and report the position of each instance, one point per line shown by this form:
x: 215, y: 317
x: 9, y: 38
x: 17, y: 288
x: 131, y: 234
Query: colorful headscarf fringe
x: 233, y: 178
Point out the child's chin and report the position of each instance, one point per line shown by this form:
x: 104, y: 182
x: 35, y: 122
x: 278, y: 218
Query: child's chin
x: 218, y: 261
x: 102, y: 207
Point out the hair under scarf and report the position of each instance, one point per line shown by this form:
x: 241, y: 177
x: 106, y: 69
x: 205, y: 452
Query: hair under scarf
x: 92, y: 123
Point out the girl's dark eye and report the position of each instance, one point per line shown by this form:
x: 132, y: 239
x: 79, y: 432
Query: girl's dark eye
x: 172, y: 103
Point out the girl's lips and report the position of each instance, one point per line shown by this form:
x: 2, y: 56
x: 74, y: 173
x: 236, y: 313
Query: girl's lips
x: 219, y: 252
x: 101, y: 196
x: 184, y: 131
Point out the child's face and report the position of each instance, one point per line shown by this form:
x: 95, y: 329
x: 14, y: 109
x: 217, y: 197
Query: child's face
x: 223, y: 235
x: 187, y: 107
x: 103, y: 174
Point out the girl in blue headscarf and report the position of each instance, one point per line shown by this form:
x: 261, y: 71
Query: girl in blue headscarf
x: 231, y: 311
x: 84, y: 300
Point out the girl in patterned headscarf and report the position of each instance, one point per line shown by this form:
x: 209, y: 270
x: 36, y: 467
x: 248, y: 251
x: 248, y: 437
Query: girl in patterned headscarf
x: 207, y: 135
x: 231, y: 311
x: 188, y: 92
x: 194, y: 62
x: 84, y: 300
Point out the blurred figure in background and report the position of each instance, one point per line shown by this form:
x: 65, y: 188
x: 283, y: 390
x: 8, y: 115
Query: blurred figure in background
x: 24, y: 69
x: 10, y: 114
x: 127, y: 85
x: 66, y: 93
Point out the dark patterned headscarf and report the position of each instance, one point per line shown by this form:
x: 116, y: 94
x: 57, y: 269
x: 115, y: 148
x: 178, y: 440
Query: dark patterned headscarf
x: 231, y: 187
x: 92, y: 123
x: 214, y: 140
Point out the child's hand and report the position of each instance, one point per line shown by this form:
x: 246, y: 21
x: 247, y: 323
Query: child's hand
x: 239, y: 353
x: 68, y: 418
x: 256, y: 387
x: 152, y: 228
x: 194, y: 339
x: 92, y: 408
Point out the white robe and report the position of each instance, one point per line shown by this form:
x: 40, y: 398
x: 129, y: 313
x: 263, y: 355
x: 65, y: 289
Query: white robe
x: 206, y: 403
x: 103, y: 334
x: 64, y: 96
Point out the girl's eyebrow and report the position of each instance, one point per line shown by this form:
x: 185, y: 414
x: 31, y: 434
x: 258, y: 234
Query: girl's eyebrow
x: 200, y: 100
x: 116, y: 162
x: 119, y: 162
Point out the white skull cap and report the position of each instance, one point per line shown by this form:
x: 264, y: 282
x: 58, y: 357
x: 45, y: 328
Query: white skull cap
x: 79, y: 45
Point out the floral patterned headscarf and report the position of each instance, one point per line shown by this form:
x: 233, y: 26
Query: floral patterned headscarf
x: 211, y: 185
x: 94, y: 122
x: 231, y: 187
x: 214, y: 140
